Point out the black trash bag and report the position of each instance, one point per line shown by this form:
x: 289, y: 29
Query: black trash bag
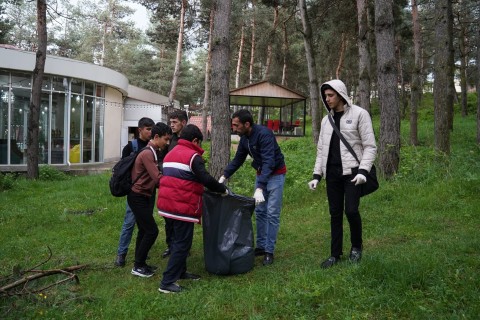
x: 228, y: 243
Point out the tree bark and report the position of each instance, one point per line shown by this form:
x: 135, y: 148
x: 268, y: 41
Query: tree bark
x: 389, y: 142
x: 239, y: 61
x: 342, y: 56
x: 34, y: 114
x: 363, y: 92
x: 220, y: 146
x: 443, y: 75
x: 178, y: 61
x: 416, y: 87
x: 463, y: 67
x: 478, y: 87
x: 208, y: 71
x: 312, y: 72
x: 252, y: 50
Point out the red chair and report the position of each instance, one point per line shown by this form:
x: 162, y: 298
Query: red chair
x: 297, y: 123
x: 276, y: 125
x: 270, y: 124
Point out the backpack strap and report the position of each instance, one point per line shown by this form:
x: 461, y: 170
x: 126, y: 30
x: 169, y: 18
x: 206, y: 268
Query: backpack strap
x: 135, y: 145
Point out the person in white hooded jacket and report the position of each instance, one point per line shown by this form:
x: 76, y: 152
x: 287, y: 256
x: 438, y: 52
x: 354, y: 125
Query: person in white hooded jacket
x: 342, y: 173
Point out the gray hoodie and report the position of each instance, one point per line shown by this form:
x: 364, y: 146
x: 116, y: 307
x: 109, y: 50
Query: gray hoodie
x: 355, y: 126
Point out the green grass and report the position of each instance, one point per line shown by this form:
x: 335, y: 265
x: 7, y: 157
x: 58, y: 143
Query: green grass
x: 420, y: 261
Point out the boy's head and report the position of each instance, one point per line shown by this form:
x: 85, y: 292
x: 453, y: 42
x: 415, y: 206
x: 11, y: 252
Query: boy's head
x: 145, y: 126
x: 161, y: 134
x: 192, y: 133
x: 178, y: 120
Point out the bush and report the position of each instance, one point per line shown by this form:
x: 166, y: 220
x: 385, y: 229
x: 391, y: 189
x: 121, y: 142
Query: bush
x: 7, y: 181
x: 49, y: 173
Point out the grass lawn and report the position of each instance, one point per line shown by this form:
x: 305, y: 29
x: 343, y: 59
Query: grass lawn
x: 421, y: 238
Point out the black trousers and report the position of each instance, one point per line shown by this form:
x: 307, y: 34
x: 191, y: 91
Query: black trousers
x: 182, y: 237
x: 142, y: 208
x: 168, y: 231
x: 343, y: 195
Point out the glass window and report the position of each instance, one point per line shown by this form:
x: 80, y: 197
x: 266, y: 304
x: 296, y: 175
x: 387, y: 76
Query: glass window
x: 21, y: 80
x: 43, y: 128
x: 89, y: 88
x: 57, y: 144
x: 46, y: 83
x: 59, y: 84
x: 76, y: 86
x: 18, y: 128
x: 100, y: 91
x: 99, y: 116
x: 75, y: 126
x: 4, y: 77
x: 88, y: 129
x: 4, y: 97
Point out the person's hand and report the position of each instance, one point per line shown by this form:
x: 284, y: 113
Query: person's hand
x: 222, y: 179
x: 359, y: 179
x: 313, y: 184
x: 226, y: 193
x: 258, y: 195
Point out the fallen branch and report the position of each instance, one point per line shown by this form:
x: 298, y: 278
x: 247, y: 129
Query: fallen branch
x: 39, y: 274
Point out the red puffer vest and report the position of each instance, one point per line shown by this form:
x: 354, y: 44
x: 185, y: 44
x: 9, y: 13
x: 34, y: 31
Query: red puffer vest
x: 179, y: 192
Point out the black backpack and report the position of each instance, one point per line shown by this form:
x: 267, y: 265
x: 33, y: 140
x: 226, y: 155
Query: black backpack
x: 121, y: 181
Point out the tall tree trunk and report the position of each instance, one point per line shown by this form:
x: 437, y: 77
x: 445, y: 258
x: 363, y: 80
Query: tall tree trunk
x: 363, y: 92
x: 220, y: 146
x: 285, y: 52
x: 268, y: 61
x: 342, y: 56
x: 34, y: 114
x: 443, y: 74
x: 252, y: 50
x: 239, y: 60
x: 178, y: 61
x: 312, y: 71
x: 417, y: 87
x: 403, y: 92
x: 463, y: 67
x: 478, y: 86
x: 389, y: 146
x: 208, y: 70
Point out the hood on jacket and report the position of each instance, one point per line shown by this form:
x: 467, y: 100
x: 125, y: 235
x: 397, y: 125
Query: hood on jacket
x: 339, y: 87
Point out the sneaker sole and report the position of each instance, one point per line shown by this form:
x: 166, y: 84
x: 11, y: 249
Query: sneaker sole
x: 138, y: 274
x: 167, y: 291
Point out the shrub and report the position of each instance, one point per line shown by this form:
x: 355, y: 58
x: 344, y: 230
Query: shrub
x: 49, y: 173
x: 7, y: 181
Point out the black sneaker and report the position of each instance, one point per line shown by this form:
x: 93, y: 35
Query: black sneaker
x: 166, y: 253
x: 151, y: 268
x: 171, y: 288
x: 355, y: 255
x: 330, y: 262
x: 190, y: 276
x: 143, y: 272
x: 268, y: 259
x: 120, y: 260
x: 259, y: 252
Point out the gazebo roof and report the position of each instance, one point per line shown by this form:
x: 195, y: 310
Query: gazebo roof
x: 265, y: 94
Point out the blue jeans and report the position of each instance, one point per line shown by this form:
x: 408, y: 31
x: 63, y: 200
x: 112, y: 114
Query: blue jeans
x: 268, y: 213
x: 127, y: 229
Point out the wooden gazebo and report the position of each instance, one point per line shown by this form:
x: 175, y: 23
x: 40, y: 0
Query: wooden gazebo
x: 284, y: 109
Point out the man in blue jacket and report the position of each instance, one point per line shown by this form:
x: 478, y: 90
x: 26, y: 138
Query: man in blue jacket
x: 259, y: 143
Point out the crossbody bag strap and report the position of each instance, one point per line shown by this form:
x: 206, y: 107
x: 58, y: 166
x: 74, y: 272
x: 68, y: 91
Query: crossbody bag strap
x: 340, y: 135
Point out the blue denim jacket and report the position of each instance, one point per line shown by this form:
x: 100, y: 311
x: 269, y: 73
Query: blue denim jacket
x: 262, y: 146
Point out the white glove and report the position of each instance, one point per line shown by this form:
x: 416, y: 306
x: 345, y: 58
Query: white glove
x: 359, y: 179
x: 313, y: 184
x: 222, y: 179
x: 258, y: 195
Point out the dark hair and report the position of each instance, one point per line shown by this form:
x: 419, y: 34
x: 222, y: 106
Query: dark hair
x: 326, y: 87
x: 243, y: 116
x: 145, y: 122
x: 161, y: 129
x: 191, y: 132
x: 178, y: 114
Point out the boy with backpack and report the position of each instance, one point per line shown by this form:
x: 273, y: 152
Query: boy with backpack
x: 145, y: 126
x: 146, y: 175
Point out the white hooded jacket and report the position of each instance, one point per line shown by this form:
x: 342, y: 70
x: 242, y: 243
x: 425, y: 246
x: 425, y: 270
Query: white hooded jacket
x: 355, y: 126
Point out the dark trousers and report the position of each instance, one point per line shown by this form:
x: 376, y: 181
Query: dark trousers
x: 168, y: 231
x: 343, y: 195
x: 182, y: 237
x: 142, y: 208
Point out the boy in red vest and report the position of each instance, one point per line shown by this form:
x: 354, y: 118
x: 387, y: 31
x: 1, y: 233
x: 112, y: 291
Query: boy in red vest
x: 180, y: 199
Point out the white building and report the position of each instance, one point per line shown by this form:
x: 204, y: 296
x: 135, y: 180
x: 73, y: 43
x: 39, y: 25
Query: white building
x: 88, y: 112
